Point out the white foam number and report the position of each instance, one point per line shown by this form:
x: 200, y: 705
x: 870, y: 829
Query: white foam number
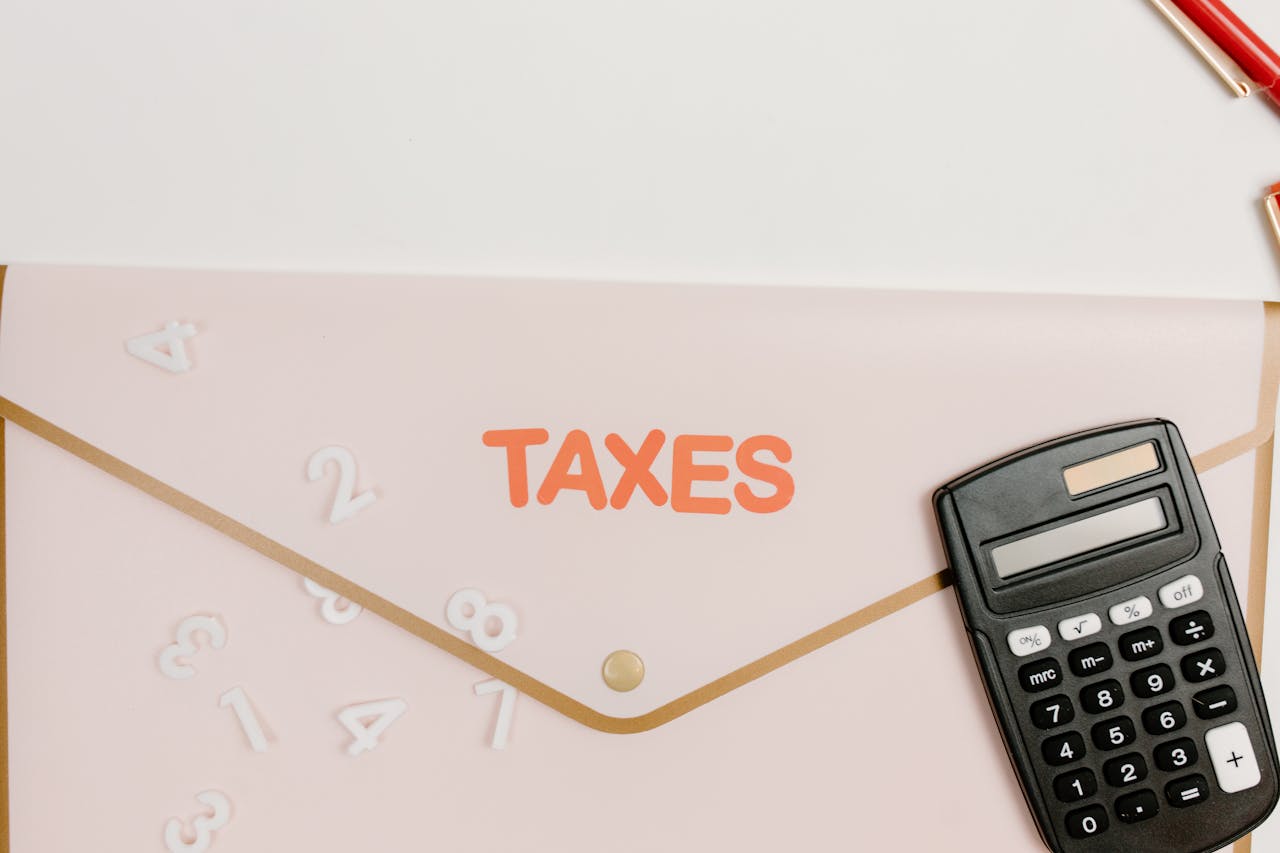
x: 476, y: 622
x: 185, y: 646
x: 387, y: 711
x: 173, y: 336
x: 329, y: 609
x: 506, y: 709
x: 204, y: 825
x: 239, y: 702
x: 345, y: 502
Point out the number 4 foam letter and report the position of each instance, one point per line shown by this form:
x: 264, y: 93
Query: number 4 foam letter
x: 173, y: 336
x: 387, y: 712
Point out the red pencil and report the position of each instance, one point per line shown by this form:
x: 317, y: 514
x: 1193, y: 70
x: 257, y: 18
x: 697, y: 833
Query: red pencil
x: 1234, y: 37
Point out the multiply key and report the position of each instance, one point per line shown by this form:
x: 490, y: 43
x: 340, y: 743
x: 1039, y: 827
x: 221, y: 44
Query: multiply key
x: 1204, y: 665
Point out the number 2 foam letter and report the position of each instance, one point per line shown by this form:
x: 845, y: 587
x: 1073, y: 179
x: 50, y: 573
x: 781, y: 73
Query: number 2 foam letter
x: 346, y: 502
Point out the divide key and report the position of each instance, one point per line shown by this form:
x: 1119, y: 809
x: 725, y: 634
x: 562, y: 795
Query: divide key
x: 1192, y: 628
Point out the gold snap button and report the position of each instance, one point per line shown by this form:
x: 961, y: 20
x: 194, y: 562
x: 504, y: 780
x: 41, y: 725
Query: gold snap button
x: 623, y: 670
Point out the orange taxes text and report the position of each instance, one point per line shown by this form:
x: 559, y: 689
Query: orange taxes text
x: 702, y: 463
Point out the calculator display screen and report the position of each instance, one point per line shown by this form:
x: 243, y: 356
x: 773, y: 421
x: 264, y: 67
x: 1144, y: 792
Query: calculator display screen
x: 1078, y: 537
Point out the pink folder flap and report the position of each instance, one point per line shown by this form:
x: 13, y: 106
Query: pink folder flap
x: 701, y: 475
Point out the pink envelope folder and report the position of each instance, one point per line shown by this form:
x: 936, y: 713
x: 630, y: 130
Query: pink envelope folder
x: 731, y: 484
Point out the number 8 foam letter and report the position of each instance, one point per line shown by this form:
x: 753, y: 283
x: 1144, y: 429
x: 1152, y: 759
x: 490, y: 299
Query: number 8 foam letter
x: 476, y: 622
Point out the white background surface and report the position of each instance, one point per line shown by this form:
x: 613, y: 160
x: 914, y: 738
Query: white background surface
x: 999, y: 144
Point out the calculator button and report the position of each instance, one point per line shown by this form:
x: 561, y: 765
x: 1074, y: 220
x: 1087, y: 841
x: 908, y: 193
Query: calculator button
x: 1128, y: 612
x: 1079, y: 627
x: 1163, y: 719
x: 1214, y: 702
x: 1152, y: 681
x: 1102, y: 697
x: 1075, y: 786
x: 1204, y: 666
x: 1141, y: 644
x: 1176, y: 755
x: 1028, y: 641
x: 1063, y: 749
x: 1182, y: 592
x: 1087, y: 822
x: 1113, y: 734
x: 1192, y: 628
x: 1137, y: 807
x: 1125, y: 770
x: 1190, y: 791
x: 1231, y: 753
x: 1040, y: 675
x: 1052, y: 712
x: 1093, y: 659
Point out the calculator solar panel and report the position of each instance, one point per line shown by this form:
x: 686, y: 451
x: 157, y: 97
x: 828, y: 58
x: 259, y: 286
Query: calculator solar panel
x: 1110, y: 640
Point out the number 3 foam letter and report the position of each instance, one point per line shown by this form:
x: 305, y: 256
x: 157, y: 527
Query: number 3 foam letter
x: 185, y: 646
x: 203, y: 825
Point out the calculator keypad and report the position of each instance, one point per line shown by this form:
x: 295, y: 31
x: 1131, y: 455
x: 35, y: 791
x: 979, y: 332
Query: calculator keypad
x: 1128, y: 724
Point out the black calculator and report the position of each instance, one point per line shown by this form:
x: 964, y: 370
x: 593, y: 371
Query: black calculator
x: 1107, y: 630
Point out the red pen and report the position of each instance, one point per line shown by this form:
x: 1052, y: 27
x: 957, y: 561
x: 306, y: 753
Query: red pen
x: 1237, y: 53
